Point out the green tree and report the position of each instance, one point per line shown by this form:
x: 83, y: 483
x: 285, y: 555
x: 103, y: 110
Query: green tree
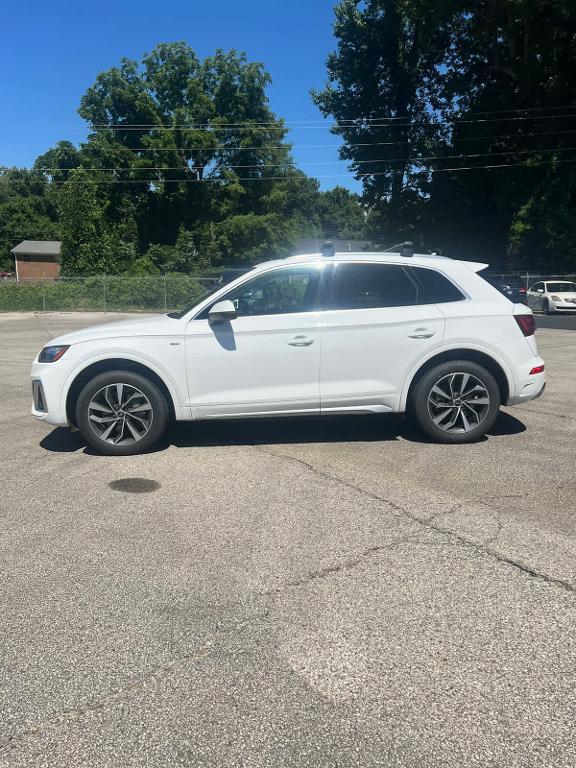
x: 88, y: 246
x: 27, y: 211
x: 57, y: 162
x: 198, y: 135
x: 379, y: 81
x: 420, y: 87
x: 341, y: 214
x: 513, y: 62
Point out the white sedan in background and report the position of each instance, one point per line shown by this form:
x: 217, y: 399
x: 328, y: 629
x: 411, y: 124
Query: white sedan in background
x: 552, y: 296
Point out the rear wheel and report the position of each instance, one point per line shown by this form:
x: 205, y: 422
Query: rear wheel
x: 455, y: 402
x: 121, y: 413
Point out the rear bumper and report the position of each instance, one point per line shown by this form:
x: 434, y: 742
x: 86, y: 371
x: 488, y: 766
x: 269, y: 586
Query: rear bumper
x: 530, y: 389
x: 541, y: 392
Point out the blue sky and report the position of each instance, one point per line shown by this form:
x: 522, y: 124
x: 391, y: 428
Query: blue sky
x: 52, y: 51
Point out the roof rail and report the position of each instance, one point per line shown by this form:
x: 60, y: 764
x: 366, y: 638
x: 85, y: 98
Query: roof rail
x: 328, y: 249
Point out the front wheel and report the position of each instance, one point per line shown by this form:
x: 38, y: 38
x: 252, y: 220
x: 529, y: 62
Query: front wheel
x: 546, y: 307
x: 121, y: 413
x: 455, y: 402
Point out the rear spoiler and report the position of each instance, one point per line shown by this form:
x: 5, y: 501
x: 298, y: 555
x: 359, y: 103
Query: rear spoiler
x: 475, y: 266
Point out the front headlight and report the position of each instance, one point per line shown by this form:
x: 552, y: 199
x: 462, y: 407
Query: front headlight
x: 51, y: 354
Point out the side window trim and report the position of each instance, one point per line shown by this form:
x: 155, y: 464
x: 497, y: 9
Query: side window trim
x: 325, y: 287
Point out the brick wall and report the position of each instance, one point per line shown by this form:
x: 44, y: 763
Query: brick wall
x: 37, y: 267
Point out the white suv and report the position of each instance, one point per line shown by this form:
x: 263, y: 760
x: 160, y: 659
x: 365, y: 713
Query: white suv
x: 351, y: 333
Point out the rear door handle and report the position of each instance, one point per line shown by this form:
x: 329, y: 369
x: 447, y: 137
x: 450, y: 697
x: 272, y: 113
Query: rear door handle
x: 422, y: 333
x: 301, y: 341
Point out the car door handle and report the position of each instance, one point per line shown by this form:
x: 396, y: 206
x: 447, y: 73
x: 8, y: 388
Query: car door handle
x: 422, y: 333
x: 301, y: 341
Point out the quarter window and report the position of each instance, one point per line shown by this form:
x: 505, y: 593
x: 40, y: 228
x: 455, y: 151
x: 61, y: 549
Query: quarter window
x: 366, y: 286
x: 435, y: 288
x: 281, y: 292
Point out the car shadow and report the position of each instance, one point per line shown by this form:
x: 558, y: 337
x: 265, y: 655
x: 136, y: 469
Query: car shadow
x: 506, y: 424
x: 280, y: 431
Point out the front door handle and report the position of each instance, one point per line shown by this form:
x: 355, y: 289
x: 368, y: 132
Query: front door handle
x: 422, y: 333
x: 301, y: 341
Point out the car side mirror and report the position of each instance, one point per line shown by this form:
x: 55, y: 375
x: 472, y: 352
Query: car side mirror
x: 222, y: 311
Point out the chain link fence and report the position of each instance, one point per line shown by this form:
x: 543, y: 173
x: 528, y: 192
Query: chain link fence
x: 525, y: 279
x: 104, y: 293
x: 154, y: 293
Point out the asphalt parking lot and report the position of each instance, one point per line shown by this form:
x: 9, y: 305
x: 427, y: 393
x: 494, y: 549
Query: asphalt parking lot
x: 561, y: 322
x: 332, y: 592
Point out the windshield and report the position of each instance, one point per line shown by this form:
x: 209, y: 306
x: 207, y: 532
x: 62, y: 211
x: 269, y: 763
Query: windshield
x: 561, y: 287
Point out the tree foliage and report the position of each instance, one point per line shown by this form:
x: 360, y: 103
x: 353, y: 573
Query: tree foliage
x: 27, y: 211
x: 422, y: 86
x: 185, y: 168
x: 458, y: 117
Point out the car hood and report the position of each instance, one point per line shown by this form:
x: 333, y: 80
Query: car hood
x: 563, y: 294
x: 157, y: 325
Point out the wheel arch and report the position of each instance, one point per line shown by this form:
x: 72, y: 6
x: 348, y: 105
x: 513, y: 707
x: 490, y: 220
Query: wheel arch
x: 472, y: 355
x: 115, y: 364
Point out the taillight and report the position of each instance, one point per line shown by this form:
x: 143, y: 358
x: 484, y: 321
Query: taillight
x: 538, y: 369
x: 526, y: 323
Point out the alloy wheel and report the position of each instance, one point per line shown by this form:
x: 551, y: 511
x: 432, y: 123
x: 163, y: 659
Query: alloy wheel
x: 458, y: 402
x: 120, y: 414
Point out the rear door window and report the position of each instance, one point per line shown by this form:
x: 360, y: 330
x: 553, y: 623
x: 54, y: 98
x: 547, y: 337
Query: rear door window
x: 370, y: 286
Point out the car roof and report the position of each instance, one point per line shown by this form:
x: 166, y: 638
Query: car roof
x: 419, y: 259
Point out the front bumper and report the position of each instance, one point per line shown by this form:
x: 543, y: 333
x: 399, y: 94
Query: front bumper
x: 48, y: 404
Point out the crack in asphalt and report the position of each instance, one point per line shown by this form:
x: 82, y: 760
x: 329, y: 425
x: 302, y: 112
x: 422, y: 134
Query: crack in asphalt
x: 428, y: 523
x: 345, y: 565
x: 15, y: 740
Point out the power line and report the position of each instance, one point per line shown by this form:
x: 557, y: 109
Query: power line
x: 360, y: 124
x: 290, y: 146
x: 341, y: 121
x: 523, y: 109
x: 213, y: 179
x: 345, y: 121
x: 413, y: 160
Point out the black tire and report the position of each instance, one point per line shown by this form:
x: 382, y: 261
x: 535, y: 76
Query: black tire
x: 422, y: 413
x: 546, y: 307
x: 149, y: 415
